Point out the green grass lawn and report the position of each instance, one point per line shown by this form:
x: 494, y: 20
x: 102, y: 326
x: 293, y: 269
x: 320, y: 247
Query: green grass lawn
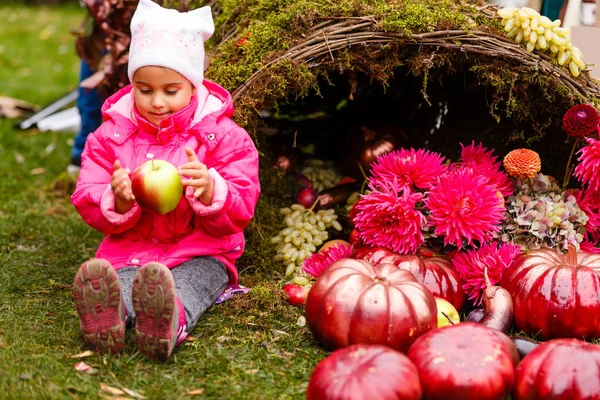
x: 247, y: 348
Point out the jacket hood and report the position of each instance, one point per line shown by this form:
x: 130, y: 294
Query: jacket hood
x: 211, y: 99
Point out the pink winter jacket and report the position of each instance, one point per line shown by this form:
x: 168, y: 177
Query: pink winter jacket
x: 192, y: 229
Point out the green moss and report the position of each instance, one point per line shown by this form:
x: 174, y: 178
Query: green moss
x: 256, y: 35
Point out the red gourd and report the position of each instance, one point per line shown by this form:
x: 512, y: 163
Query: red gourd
x: 466, y: 361
x: 556, y: 295
x: 559, y: 369
x: 364, y: 371
x: 356, y: 302
x: 436, y: 273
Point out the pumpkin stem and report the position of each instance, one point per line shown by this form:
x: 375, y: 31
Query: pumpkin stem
x: 448, y: 318
x: 486, y: 277
x: 571, y: 257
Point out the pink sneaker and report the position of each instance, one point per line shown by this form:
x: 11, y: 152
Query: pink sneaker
x: 97, y: 294
x: 155, y: 305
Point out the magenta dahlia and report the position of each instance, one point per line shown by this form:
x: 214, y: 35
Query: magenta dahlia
x: 589, y: 202
x: 479, y: 155
x: 588, y: 169
x: 390, y: 218
x: 320, y: 261
x: 471, y: 265
x: 494, y: 176
x: 464, y: 207
x: 419, y: 168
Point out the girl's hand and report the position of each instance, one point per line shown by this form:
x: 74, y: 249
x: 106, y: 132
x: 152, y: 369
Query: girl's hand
x: 198, y: 178
x: 121, y: 187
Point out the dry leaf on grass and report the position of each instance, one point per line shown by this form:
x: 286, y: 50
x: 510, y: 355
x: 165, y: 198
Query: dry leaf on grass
x: 38, y: 171
x: 134, y: 394
x: 195, y: 392
x: 83, y: 367
x: 85, y: 354
x: 111, y: 390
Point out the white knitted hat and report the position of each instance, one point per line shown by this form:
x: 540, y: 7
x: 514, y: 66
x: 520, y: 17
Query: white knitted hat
x: 167, y: 38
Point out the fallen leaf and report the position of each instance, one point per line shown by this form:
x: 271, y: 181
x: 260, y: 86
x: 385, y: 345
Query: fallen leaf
x: 222, y: 339
x: 50, y: 148
x: 19, y: 158
x: 111, y: 390
x: 86, y: 353
x: 24, y: 377
x: 190, y: 339
x: 38, y: 171
x: 133, y: 394
x: 251, y: 371
x: 195, y: 392
x: 301, y: 321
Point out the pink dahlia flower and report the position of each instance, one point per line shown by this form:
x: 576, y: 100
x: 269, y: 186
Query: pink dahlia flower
x: 471, y: 265
x: 494, y: 176
x: 464, y: 207
x: 479, y: 155
x: 390, y: 219
x: 320, y: 261
x: 589, y: 202
x: 588, y: 169
x: 589, y: 247
x: 419, y: 168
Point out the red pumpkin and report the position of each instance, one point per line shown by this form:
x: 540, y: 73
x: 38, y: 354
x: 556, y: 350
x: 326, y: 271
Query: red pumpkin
x: 356, y: 302
x: 436, y: 273
x: 464, y: 361
x: 555, y: 294
x: 560, y: 369
x: 364, y: 371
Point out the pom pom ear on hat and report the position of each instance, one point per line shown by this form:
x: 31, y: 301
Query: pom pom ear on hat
x: 167, y: 38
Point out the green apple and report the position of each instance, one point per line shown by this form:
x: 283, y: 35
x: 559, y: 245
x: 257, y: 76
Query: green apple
x: 446, y: 312
x: 157, y: 187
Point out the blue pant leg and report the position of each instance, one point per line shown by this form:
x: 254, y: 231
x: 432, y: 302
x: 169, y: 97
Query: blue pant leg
x: 89, y: 104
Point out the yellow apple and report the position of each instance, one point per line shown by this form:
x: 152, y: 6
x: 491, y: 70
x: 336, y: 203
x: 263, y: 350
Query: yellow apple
x: 157, y: 187
x: 445, y: 311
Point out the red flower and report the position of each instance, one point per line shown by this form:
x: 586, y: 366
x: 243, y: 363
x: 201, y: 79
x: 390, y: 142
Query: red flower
x: 419, y: 168
x: 390, y: 219
x: 588, y: 170
x: 471, y: 265
x: 465, y: 207
x: 318, y: 262
x: 581, y: 120
x: 479, y: 155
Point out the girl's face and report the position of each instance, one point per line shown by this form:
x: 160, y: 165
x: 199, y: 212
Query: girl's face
x: 160, y: 92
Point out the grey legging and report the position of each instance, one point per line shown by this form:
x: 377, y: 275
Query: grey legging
x: 198, y: 282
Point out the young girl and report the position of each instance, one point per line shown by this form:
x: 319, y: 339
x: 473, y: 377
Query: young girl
x: 163, y: 271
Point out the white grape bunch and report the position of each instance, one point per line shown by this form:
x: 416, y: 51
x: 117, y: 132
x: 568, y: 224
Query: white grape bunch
x: 305, y: 231
x: 538, y: 32
x: 320, y: 174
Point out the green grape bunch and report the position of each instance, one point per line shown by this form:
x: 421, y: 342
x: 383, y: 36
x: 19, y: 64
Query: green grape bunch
x: 320, y: 174
x: 304, y: 231
x: 538, y: 32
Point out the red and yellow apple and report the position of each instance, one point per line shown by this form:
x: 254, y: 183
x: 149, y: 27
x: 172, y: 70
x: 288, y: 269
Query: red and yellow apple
x: 446, y: 313
x: 157, y: 186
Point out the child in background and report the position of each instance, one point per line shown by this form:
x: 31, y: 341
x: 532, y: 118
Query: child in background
x: 163, y: 271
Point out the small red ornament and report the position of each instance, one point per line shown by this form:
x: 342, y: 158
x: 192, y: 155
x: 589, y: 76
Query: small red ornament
x: 295, y: 294
x: 581, y: 120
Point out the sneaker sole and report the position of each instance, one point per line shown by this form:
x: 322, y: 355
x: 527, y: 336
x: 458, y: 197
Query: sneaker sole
x: 97, y: 294
x: 154, y: 302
